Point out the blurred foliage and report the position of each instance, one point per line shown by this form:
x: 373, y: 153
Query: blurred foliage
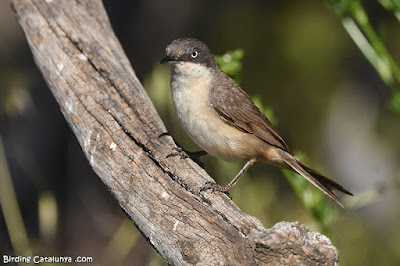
x: 231, y: 63
x: 357, y: 23
x: 11, y: 210
x: 122, y: 242
x: 48, y: 215
x: 395, y: 102
x: 372, y: 194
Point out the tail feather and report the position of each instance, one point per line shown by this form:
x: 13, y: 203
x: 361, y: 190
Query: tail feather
x: 324, y: 180
x: 323, y: 183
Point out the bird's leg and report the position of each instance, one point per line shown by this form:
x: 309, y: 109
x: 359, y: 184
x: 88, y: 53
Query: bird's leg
x: 195, y: 156
x: 226, y: 188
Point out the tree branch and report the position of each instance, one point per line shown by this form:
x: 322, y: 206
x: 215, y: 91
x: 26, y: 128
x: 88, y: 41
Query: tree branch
x: 124, y: 140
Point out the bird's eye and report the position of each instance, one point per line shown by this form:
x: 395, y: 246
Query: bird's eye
x: 194, y: 54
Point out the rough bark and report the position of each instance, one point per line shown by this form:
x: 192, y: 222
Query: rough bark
x: 124, y: 140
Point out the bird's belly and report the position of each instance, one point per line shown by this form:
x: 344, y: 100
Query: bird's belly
x: 211, y: 137
x: 211, y: 133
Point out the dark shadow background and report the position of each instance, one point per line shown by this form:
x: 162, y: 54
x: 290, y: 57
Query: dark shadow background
x: 330, y: 103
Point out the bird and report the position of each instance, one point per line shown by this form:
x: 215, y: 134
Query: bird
x: 222, y: 119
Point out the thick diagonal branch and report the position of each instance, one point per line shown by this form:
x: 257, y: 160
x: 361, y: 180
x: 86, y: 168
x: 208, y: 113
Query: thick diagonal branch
x: 123, y: 138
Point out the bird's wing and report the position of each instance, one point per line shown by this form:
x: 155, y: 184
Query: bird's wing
x: 236, y: 108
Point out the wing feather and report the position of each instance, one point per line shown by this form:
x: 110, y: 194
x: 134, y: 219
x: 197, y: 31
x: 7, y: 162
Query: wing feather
x: 236, y: 108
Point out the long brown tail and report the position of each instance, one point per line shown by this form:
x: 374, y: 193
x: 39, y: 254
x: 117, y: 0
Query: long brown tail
x: 323, y: 183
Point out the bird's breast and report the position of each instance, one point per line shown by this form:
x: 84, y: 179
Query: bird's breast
x: 191, y: 86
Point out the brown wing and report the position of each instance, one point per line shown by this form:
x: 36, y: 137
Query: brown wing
x: 236, y: 108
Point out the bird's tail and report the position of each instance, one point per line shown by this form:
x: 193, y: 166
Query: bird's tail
x: 323, y: 183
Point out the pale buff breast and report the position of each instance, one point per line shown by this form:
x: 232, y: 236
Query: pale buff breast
x: 190, y: 84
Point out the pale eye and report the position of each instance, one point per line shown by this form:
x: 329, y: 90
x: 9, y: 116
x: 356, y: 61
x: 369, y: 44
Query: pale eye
x: 194, y: 54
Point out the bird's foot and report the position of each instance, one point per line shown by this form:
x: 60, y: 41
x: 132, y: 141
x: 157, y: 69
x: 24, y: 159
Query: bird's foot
x: 215, y: 187
x: 178, y: 151
x: 195, y: 156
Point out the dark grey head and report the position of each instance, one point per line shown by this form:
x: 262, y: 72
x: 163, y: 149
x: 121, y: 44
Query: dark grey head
x: 189, y: 50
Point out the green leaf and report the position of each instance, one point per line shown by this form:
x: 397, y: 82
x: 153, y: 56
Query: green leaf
x: 231, y: 63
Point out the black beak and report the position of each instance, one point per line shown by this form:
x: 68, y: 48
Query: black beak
x: 167, y: 59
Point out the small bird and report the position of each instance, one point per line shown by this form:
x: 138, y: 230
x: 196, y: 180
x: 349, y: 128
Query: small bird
x: 222, y: 119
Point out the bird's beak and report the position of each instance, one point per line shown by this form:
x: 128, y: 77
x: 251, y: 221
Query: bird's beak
x: 167, y: 59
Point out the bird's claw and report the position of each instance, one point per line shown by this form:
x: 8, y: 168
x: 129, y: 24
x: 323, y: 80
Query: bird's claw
x: 209, y: 185
x: 178, y: 152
